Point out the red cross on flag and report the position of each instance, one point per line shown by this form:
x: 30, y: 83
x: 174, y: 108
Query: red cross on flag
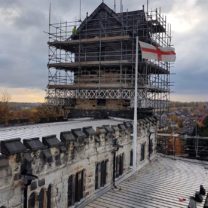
x: 166, y: 54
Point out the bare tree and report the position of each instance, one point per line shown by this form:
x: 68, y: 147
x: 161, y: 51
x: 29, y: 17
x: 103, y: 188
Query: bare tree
x: 4, y: 107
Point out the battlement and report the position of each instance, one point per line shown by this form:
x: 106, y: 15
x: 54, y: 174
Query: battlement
x: 29, y: 168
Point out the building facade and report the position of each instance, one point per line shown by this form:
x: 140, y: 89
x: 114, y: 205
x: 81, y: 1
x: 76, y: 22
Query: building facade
x: 91, y: 74
x: 69, y: 172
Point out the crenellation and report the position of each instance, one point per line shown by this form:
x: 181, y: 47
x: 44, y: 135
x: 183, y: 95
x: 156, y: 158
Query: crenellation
x: 109, y: 129
x: 80, y: 135
x: 89, y: 131
x: 12, y: 146
x: 44, y: 164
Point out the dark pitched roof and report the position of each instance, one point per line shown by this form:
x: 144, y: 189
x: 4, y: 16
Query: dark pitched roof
x: 12, y: 146
x: 102, y: 6
x: 135, y: 18
x: 130, y: 17
x: 125, y: 19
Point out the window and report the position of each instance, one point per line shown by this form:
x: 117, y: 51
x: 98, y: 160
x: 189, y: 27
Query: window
x: 49, y: 192
x: 131, y: 158
x: 142, y: 152
x: 103, y: 173
x: 119, y: 164
x: 32, y: 200
x: 100, y: 174
x: 150, y: 147
x: 76, y: 187
x: 97, y: 171
x: 79, y: 186
x: 42, y: 198
x: 71, y: 193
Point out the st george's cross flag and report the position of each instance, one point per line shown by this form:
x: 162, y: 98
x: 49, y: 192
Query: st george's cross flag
x: 166, y: 54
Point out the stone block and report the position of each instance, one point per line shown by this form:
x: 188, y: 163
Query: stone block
x: 3, y: 173
x: 4, y: 162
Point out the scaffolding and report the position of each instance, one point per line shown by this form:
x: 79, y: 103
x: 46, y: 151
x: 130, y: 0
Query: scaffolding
x: 95, y: 59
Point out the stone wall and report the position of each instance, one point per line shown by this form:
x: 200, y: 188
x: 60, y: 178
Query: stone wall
x: 33, y: 172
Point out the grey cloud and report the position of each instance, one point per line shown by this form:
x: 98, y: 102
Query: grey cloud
x: 24, y: 53
x: 30, y: 18
x: 191, y: 46
x: 9, y: 3
x: 191, y: 81
x: 202, y: 3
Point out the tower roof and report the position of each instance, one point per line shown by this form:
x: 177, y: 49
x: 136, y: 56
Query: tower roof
x: 101, y: 7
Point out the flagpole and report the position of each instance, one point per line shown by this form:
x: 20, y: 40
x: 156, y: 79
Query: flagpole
x: 135, y: 107
x: 49, y: 18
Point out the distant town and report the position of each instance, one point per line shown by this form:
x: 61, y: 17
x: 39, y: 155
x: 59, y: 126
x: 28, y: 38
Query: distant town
x: 186, y: 119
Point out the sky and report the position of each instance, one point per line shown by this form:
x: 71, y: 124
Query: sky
x: 24, y: 51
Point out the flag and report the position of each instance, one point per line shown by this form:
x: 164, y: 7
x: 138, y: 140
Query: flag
x: 166, y: 54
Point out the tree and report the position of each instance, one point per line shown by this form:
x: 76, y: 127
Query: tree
x: 4, y: 107
x: 205, y: 122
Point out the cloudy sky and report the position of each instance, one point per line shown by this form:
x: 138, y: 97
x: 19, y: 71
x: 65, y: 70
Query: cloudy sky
x: 24, y: 52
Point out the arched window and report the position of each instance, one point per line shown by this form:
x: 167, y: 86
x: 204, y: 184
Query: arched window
x: 49, y: 195
x: 42, y: 199
x: 32, y: 200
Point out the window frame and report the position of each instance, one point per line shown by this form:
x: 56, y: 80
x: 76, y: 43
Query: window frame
x: 101, y: 174
x: 142, y: 153
x: 76, y: 187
